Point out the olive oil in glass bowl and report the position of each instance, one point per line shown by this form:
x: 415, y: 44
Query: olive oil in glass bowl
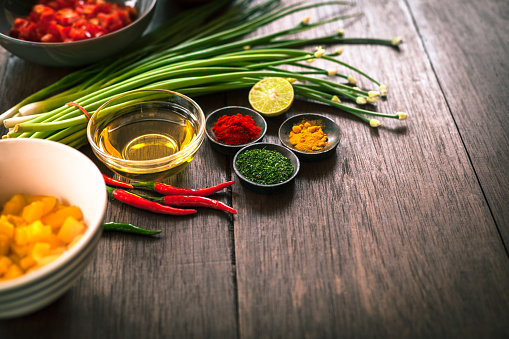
x: 147, y: 135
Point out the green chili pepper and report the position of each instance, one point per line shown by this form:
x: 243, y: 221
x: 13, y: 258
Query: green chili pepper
x: 125, y: 227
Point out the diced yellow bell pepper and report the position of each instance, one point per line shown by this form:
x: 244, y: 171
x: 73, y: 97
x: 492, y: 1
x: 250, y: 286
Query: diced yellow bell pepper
x: 38, y: 232
x: 58, y: 250
x: 49, y: 258
x: 5, y: 263
x: 13, y: 271
x: 55, y: 242
x: 6, y: 228
x: 70, y: 229
x: 15, y: 258
x: 14, y: 205
x: 40, y: 250
x: 21, y: 235
x: 74, y: 241
x: 57, y: 218
x: 33, y: 212
x: 27, y: 262
x: 16, y: 220
x: 34, y: 231
x: 20, y: 250
x: 5, y: 242
x: 50, y: 202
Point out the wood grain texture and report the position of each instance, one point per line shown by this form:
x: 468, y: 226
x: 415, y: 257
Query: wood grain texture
x: 468, y: 49
x: 377, y: 242
x: 399, y: 235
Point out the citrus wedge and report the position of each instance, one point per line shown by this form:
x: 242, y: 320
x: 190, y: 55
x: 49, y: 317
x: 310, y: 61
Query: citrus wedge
x: 271, y: 96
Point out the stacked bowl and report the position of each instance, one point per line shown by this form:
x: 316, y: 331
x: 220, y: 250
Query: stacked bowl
x: 41, y: 167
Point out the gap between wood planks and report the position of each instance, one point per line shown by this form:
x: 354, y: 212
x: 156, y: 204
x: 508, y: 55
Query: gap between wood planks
x: 412, y: 16
x: 231, y: 234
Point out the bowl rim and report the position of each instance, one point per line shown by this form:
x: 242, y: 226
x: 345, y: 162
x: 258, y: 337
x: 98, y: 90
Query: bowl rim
x: 93, y: 228
x: 189, y: 148
x: 315, y: 153
x: 257, y: 145
x: 80, y: 42
x: 222, y: 144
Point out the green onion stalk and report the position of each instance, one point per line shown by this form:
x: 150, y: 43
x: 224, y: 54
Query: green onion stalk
x: 198, y: 57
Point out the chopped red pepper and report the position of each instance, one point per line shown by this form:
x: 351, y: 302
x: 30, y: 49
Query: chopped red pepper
x: 72, y: 20
x: 66, y: 17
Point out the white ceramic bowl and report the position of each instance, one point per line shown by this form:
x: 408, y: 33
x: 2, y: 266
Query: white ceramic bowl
x: 36, y: 166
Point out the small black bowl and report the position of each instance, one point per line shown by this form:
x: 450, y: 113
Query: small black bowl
x: 329, y: 127
x: 229, y: 111
x: 268, y: 189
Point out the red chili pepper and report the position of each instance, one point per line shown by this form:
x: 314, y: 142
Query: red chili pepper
x: 194, y: 201
x: 172, y: 190
x: 115, y: 182
x: 168, y: 189
x: 139, y: 202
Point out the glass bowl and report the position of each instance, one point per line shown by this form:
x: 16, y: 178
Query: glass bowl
x: 147, y: 135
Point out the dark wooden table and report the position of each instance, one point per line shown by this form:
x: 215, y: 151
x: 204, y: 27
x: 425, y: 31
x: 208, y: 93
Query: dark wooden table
x: 402, y: 234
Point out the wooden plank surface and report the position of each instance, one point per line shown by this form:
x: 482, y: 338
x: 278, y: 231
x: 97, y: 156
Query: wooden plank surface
x: 396, y: 236
x: 392, y: 238
x: 473, y: 71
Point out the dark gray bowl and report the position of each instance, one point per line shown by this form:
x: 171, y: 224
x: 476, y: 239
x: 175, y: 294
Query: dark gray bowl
x: 75, y: 53
x: 268, y: 189
x: 229, y: 111
x: 329, y: 127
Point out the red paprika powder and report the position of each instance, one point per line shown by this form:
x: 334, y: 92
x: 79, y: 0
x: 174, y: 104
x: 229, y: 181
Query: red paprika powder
x: 236, y: 129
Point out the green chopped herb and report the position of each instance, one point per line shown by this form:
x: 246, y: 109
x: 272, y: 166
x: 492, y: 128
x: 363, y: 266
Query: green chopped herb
x: 264, y: 166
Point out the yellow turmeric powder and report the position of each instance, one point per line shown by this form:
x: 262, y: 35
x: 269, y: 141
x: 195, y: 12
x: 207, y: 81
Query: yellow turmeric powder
x: 308, y: 136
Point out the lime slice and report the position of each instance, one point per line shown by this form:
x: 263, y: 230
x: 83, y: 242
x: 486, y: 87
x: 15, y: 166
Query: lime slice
x: 271, y: 96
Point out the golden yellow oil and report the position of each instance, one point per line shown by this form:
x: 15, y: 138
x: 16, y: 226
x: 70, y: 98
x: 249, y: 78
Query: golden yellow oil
x: 147, y: 135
